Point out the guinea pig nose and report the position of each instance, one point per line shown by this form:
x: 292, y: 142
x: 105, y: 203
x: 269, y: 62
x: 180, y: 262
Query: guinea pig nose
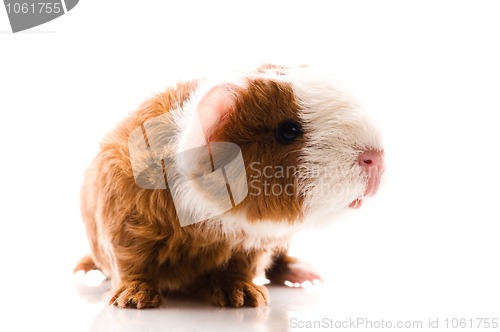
x: 371, y: 158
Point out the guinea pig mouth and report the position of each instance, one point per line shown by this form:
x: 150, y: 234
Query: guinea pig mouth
x: 374, y: 175
x: 356, y: 204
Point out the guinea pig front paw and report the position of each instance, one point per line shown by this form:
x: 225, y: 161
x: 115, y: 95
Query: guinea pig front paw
x: 239, y: 293
x: 136, y: 294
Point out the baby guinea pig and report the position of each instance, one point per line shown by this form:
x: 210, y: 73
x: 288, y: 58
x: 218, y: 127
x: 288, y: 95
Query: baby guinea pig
x: 200, y: 190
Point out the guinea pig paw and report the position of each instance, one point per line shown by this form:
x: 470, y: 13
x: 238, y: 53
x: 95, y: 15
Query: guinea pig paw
x: 240, y: 293
x: 136, y: 294
x: 85, y: 264
x: 296, y: 274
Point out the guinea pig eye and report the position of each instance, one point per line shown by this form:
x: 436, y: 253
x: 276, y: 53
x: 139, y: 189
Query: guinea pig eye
x: 287, y: 132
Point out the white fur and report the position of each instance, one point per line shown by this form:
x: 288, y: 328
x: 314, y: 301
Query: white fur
x: 257, y: 234
x: 193, y: 206
x: 337, y: 131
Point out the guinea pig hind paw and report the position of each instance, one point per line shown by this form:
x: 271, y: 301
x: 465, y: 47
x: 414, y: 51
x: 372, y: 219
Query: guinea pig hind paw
x: 85, y: 264
x: 295, y: 273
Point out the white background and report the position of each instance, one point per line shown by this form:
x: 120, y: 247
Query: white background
x: 428, y: 71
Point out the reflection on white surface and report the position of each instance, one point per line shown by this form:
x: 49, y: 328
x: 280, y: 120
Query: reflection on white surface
x: 180, y: 314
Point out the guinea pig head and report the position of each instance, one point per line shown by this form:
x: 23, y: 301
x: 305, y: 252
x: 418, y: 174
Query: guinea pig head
x: 308, y: 151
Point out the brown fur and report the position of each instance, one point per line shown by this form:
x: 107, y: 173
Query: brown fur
x: 260, y: 110
x: 279, y: 269
x: 134, y: 234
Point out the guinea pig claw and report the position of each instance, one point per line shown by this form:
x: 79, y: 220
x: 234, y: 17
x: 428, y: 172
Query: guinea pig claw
x: 356, y: 204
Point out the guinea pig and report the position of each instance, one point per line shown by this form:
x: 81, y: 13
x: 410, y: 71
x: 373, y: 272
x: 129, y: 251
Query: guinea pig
x: 200, y: 190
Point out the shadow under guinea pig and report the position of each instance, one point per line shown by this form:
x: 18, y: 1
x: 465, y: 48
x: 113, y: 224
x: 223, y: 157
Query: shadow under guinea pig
x: 179, y: 313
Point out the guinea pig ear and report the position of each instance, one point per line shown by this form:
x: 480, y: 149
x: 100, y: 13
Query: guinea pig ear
x: 209, y: 115
x: 200, y: 172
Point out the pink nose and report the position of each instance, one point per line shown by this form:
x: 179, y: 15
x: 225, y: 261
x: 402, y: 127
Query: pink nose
x: 372, y: 158
x: 372, y: 162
